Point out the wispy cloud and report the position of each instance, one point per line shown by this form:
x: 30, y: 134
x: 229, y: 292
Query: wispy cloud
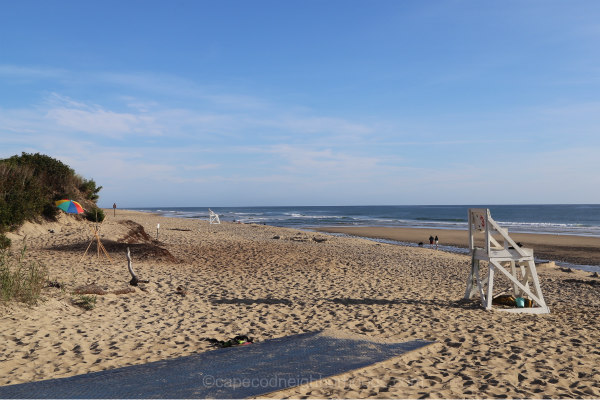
x: 103, y: 122
x: 318, y: 124
x: 325, y: 162
x: 71, y: 115
x: 28, y: 72
x: 203, y: 167
x: 149, y: 133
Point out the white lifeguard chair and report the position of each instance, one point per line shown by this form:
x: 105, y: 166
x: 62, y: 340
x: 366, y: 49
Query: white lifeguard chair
x: 213, y: 217
x: 512, y: 260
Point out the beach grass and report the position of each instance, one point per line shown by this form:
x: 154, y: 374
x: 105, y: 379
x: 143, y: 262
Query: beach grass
x: 20, y: 279
x: 85, y: 301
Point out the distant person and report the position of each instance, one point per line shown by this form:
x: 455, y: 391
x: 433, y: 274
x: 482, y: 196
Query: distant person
x: 436, y: 242
x: 430, y: 241
x: 114, y: 209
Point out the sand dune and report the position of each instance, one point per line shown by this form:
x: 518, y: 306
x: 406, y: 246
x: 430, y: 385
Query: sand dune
x: 266, y: 282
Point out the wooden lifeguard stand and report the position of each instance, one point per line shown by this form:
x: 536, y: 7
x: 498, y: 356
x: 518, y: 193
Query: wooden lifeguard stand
x: 512, y: 260
x: 213, y: 217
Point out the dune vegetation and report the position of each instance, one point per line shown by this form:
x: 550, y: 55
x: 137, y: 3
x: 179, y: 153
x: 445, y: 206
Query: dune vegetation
x: 31, y: 183
x: 29, y: 186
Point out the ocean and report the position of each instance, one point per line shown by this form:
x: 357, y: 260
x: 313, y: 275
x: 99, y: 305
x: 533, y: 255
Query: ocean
x: 567, y: 219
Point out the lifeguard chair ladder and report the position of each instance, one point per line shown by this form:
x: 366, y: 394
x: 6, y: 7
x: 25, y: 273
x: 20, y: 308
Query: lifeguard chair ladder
x: 213, y: 217
x: 502, y: 257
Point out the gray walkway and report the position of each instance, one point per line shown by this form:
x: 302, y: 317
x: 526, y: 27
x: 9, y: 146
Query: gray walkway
x: 234, y: 372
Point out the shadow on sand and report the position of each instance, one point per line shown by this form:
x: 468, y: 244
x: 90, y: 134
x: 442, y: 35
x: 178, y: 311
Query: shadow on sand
x: 140, y: 251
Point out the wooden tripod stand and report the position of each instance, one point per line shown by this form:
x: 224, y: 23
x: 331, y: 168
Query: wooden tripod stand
x: 99, y: 245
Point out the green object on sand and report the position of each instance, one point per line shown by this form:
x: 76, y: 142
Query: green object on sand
x: 520, y: 302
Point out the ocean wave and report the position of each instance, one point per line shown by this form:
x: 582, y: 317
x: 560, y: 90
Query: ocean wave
x: 549, y: 219
x: 307, y: 216
x: 543, y: 224
x: 441, y: 219
x: 242, y: 213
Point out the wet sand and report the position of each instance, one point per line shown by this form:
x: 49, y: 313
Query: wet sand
x: 581, y: 250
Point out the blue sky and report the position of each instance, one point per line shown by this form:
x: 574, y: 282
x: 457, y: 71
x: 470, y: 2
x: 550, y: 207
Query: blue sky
x: 233, y: 103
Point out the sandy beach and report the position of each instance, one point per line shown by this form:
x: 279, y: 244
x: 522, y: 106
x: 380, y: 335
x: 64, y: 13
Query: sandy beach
x: 218, y: 281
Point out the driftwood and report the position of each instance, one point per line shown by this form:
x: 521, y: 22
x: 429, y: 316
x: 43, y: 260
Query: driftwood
x: 134, y: 279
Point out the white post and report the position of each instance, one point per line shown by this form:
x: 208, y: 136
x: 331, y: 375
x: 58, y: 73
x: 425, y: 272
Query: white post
x: 513, y: 270
x: 490, y: 288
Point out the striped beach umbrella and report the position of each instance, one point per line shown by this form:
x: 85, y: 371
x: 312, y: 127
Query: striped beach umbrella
x: 69, y: 206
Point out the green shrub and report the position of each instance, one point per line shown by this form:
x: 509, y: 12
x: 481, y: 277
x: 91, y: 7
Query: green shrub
x: 4, y: 242
x: 87, y: 302
x: 21, y: 280
x: 89, y: 189
x: 21, y: 195
x: 30, y: 183
x: 95, y: 215
x: 55, y: 175
x: 50, y: 211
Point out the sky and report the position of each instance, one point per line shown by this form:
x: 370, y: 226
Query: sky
x: 265, y: 103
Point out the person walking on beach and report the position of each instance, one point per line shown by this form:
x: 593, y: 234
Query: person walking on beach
x: 114, y: 209
x: 430, y: 241
x: 436, y: 241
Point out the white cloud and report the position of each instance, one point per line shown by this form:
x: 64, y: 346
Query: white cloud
x: 177, y: 87
x: 16, y: 71
x: 317, y: 124
x: 14, y: 123
x: 309, y: 160
x: 81, y: 117
x: 242, y: 144
x: 103, y: 122
x: 201, y: 167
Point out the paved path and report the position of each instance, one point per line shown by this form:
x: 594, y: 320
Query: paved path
x: 235, y: 372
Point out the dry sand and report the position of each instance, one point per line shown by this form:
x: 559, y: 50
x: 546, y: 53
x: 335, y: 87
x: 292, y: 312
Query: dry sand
x: 269, y: 282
